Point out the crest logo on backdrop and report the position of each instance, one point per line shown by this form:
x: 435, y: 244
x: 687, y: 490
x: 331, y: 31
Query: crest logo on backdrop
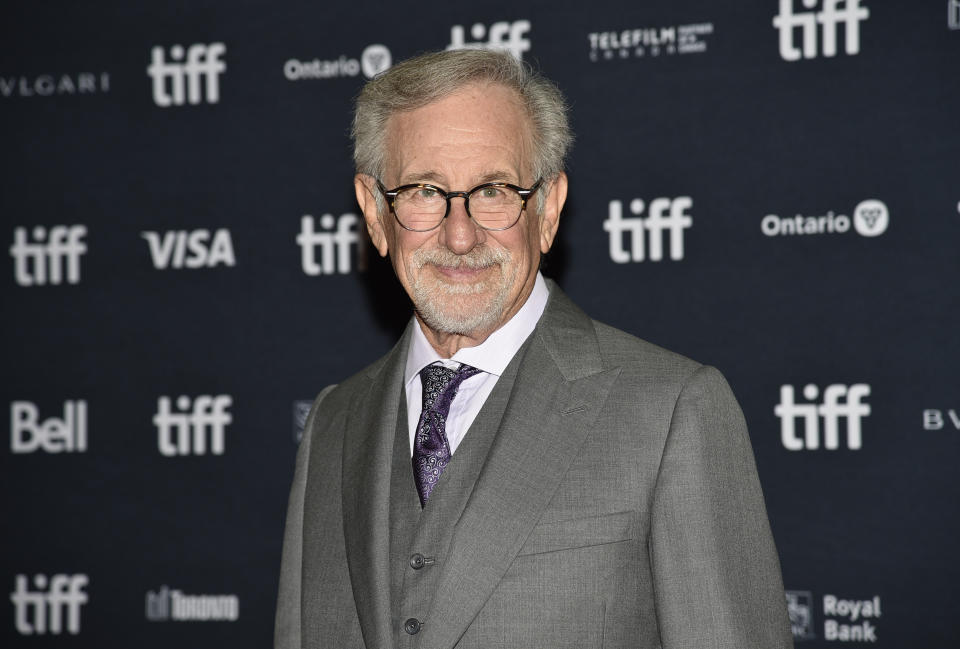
x: 953, y: 14
x: 178, y: 81
x: 375, y: 59
x: 503, y: 35
x: 800, y: 610
x: 819, y: 29
x: 645, y: 238
x: 301, y: 409
x: 871, y: 218
x: 840, y: 403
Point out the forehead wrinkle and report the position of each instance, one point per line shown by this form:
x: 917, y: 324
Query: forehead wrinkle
x: 463, y: 129
x: 403, y: 137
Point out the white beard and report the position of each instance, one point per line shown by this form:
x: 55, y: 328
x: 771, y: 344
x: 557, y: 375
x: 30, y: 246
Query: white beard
x: 462, y: 308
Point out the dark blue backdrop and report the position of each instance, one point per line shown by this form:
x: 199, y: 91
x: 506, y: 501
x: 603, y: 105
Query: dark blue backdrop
x: 766, y: 187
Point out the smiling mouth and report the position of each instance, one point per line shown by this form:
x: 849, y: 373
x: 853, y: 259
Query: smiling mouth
x: 461, y: 272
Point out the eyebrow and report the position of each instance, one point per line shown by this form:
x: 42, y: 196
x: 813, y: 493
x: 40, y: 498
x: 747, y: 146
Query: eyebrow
x: 498, y: 176
x: 436, y: 178
x: 429, y: 176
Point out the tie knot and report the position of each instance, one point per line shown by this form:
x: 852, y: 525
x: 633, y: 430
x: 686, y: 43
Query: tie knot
x: 440, y: 384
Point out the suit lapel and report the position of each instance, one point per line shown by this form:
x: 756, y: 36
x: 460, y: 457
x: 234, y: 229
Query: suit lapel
x: 558, y: 393
x: 367, y: 458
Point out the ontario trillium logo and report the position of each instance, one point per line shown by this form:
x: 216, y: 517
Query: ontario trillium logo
x: 870, y: 218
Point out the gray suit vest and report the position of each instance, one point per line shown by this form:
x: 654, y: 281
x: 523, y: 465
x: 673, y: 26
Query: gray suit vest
x: 419, y: 539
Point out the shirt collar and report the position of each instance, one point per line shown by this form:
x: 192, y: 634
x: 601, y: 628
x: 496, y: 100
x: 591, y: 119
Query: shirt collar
x: 493, y: 354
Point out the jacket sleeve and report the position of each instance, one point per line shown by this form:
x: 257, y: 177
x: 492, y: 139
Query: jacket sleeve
x: 286, y: 633
x: 716, y: 573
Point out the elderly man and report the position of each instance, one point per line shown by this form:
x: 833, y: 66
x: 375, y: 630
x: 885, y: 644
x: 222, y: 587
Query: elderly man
x: 512, y: 474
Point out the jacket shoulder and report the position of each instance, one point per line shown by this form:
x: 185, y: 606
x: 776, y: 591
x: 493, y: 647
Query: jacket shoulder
x: 337, y: 398
x: 621, y: 349
x: 341, y: 393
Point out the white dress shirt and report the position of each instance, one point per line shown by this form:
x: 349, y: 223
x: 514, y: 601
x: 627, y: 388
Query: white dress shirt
x: 491, y: 357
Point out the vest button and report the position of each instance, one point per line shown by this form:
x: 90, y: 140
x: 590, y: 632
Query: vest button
x: 417, y: 561
x: 412, y: 626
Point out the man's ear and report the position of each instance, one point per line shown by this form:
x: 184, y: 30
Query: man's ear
x: 550, y: 217
x: 365, y: 186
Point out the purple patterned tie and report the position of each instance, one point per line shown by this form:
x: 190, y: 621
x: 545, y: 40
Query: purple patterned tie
x: 431, y: 450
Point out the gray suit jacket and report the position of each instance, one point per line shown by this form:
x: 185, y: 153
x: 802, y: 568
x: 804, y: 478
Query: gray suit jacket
x: 618, y: 506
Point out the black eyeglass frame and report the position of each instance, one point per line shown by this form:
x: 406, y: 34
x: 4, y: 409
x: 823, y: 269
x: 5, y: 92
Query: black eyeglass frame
x: 391, y: 195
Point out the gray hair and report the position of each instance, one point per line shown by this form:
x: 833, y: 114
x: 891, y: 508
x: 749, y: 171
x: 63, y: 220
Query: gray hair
x: 419, y: 81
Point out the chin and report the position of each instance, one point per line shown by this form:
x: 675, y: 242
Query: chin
x: 463, y: 309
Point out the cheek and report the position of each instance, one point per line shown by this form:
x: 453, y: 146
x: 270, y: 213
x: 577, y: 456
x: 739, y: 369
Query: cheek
x: 404, y: 247
x: 405, y: 269
x: 528, y: 248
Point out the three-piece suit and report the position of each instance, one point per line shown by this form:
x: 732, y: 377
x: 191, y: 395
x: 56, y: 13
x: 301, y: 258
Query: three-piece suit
x: 604, y: 496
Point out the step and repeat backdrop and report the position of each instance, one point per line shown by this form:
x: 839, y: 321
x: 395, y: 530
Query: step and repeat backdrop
x: 771, y: 187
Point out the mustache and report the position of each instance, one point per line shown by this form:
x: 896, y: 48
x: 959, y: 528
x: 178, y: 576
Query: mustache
x: 481, y: 256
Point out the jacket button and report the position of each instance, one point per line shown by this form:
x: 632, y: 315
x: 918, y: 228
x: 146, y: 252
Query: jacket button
x: 417, y: 561
x: 412, y: 626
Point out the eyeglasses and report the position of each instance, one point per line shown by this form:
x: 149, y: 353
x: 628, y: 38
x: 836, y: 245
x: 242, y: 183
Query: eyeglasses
x: 493, y: 206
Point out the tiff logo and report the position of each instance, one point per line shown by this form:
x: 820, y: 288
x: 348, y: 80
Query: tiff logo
x: 190, y: 249
x: 832, y: 410
x: 334, y: 242
x: 834, y: 12
x: 63, y: 600
x: 503, y: 36
x: 665, y: 215
x: 43, y: 260
x: 184, y: 77
x: 66, y: 435
x: 953, y: 14
x: 185, y: 432
x: 933, y: 419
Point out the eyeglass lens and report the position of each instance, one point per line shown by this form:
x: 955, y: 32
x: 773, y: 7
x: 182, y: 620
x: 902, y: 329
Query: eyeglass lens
x: 422, y: 208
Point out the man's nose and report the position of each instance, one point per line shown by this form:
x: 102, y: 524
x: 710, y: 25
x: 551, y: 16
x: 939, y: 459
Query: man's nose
x: 458, y: 233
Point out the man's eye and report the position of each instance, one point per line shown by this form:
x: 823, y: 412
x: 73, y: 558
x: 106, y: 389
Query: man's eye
x: 426, y: 193
x: 489, y: 192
